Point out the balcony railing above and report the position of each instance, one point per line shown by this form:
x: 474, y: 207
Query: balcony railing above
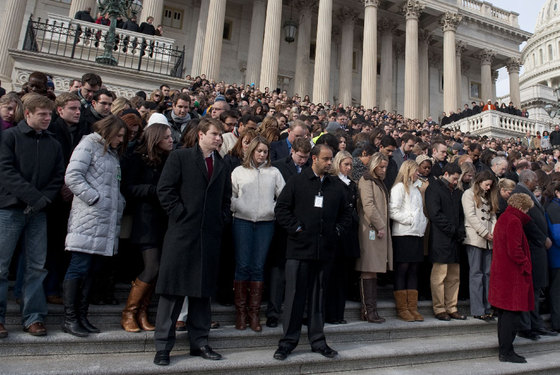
x: 75, y: 39
x: 497, y: 124
x: 486, y: 9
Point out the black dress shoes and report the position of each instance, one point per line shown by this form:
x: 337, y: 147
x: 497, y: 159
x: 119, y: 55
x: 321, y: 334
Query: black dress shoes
x: 206, y: 352
x: 530, y: 335
x: 325, y: 351
x: 544, y: 332
x: 272, y: 322
x: 162, y: 358
x: 282, y: 353
x: 512, y: 357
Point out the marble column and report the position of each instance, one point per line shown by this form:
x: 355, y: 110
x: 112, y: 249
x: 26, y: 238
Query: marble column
x: 321, y: 76
x: 271, y: 45
x: 301, y: 83
x: 256, y: 42
x: 424, y: 74
x: 10, y: 25
x: 513, y: 66
x: 200, y: 37
x: 386, y: 29
x: 78, y: 5
x: 449, y: 22
x: 152, y: 8
x: 369, y: 58
x: 212, y: 53
x: 486, y: 58
x: 412, y: 10
x: 460, y: 47
x: 495, y: 75
x: 347, y: 19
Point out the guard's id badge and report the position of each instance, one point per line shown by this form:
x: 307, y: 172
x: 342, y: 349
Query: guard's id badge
x: 372, y: 234
x: 319, y: 201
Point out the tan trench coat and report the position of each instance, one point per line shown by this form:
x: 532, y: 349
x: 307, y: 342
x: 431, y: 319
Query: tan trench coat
x: 373, y: 211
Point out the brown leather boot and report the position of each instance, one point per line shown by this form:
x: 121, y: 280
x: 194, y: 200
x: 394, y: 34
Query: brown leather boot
x: 255, y: 298
x: 412, y: 298
x: 128, y: 319
x: 368, y: 293
x: 402, y: 306
x: 240, y: 289
x: 143, y: 321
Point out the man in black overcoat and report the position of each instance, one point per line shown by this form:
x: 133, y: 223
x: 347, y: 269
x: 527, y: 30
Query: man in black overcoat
x: 195, y: 190
x: 447, y: 232
x: 288, y: 167
x: 313, y: 209
x: 531, y: 325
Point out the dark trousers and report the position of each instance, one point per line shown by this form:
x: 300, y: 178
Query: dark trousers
x: 305, y: 286
x: 276, y: 291
x: 508, y: 325
x: 198, y: 321
x: 335, y: 300
x: 531, y: 320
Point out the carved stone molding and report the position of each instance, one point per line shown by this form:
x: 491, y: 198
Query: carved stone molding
x: 487, y: 56
x: 513, y: 65
x: 413, y: 9
x: 460, y: 47
x: 425, y: 36
x: 386, y: 26
x: 449, y: 21
x: 370, y: 3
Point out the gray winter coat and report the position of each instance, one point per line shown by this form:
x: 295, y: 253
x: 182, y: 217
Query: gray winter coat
x: 94, y: 175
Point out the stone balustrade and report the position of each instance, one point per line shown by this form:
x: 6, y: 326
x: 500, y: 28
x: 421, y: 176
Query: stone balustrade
x: 488, y: 10
x: 497, y: 124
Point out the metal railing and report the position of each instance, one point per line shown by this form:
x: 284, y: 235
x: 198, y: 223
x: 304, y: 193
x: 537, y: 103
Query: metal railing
x: 85, y: 41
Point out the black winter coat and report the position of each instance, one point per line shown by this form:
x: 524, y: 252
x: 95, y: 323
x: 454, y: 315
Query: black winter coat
x: 348, y: 244
x: 536, y: 232
x: 67, y: 140
x: 139, y: 187
x: 447, y: 228
x: 295, y: 208
x: 197, y: 209
x: 31, y: 167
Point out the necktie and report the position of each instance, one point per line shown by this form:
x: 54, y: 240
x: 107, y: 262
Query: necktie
x: 405, y: 157
x: 209, y: 166
x: 298, y: 169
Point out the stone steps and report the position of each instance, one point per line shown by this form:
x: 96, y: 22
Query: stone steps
x: 475, y: 353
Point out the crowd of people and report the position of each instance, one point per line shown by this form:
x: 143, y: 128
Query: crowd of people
x: 481, y: 107
x: 240, y: 195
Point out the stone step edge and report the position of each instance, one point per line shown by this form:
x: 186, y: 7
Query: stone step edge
x: 352, y: 357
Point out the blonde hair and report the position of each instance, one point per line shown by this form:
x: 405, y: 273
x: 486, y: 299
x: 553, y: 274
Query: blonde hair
x: 339, y: 158
x: 520, y: 201
x: 120, y: 104
x: 376, y: 159
x: 248, y: 157
x: 506, y: 184
x: 466, y: 167
x: 407, y: 170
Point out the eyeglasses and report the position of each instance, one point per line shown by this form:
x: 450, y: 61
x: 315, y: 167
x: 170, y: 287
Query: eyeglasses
x: 105, y: 103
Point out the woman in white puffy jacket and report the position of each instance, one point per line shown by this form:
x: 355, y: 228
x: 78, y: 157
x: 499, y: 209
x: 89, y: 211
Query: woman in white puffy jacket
x: 93, y: 175
x: 255, y: 185
x: 480, y: 204
x: 409, y: 224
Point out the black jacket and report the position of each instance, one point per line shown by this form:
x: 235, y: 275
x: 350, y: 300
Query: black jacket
x: 555, y: 138
x: 447, y: 228
x: 536, y: 232
x: 295, y: 208
x: 131, y: 25
x: 437, y: 169
x: 197, y: 210
x: 287, y: 167
x: 68, y: 137
x: 31, y: 166
x: 139, y: 187
x: 146, y: 28
x: 279, y: 150
x: 391, y: 174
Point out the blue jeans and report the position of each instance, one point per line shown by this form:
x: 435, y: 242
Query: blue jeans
x: 82, y: 265
x: 251, y: 241
x: 33, y: 228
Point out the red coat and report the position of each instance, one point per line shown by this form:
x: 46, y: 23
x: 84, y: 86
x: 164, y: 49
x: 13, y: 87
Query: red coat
x: 511, y: 280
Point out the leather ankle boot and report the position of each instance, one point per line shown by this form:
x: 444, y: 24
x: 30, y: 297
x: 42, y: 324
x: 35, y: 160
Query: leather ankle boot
x: 143, y: 321
x: 128, y: 319
x: 255, y: 298
x: 368, y: 293
x: 412, y: 298
x: 402, y: 306
x: 70, y: 296
x: 240, y: 289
